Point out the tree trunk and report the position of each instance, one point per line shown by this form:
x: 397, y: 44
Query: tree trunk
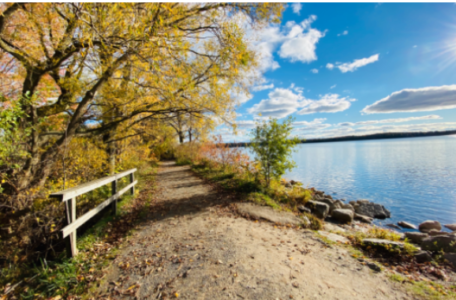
x: 181, y: 137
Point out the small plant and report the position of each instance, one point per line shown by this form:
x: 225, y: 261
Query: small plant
x: 272, y: 145
x: 315, y: 223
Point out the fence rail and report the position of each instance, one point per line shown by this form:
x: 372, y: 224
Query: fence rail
x: 69, y: 197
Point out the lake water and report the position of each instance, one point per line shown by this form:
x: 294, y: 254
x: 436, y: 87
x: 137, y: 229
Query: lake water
x: 415, y: 178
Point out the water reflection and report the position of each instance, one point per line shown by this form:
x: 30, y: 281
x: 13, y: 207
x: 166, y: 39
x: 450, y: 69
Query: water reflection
x: 415, y: 177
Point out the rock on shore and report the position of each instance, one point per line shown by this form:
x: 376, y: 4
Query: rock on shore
x: 428, y: 225
x: 370, y: 209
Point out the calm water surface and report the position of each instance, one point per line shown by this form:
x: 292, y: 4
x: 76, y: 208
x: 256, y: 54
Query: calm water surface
x: 415, y: 178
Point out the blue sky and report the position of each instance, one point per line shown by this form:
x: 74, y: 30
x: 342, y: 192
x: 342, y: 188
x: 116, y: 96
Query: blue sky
x: 328, y: 65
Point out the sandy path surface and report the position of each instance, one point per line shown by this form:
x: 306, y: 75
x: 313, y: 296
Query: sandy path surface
x: 193, y: 247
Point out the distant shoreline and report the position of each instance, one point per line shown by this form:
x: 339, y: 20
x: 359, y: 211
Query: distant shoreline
x: 376, y: 136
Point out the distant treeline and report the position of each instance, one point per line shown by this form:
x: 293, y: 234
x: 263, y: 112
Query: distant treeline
x: 376, y: 136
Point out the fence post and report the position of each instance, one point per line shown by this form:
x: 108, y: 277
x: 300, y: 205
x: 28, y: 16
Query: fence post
x: 114, y: 191
x: 132, y: 178
x: 70, y: 207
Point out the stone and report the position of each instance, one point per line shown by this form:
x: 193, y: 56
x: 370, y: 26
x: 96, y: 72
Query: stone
x: 348, y: 206
x: 334, y: 237
x: 362, y: 218
x: 393, y: 226
x: 343, y: 215
x: 353, y: 203
x: 440, y: 242
x: 372, y: 210
x: 423, y: 256
x: 319, y: 209
x: 305, y: 221
x: 406, y: 225
x: 416, y: 237
x: 451, y: 258
x: 327, y: 201
x: 362, y: 201
x: 373, y: 266
x: 426, y: 226
x: 434, y: 232
x: 303, y: 209
x: 267, y: 213
x: 451, y: 227
x: 382, y: 242
x: 333, y: 206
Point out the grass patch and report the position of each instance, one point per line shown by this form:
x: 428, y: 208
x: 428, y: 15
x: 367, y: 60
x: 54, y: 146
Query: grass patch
x: 262, y: 199
x: 427, y: 290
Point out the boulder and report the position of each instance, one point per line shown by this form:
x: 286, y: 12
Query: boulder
x: 362, y: 201
x: 406, y: 225
x: 423, y: 256
x: 416, y: 237
x: 434, y: 232
x: 348, y: 206
x: 382, y: 242
x: 372, y: 210
x: 319, y: 209
x: 393, y: 226
x: 327, y: 201
x: 426, y: 226
x: 267, y: 213
x: 343, y: 215
x: 304, y: 209
x: 440, y: 242
x: 335, y: 205
x: 353, y: 203
x: 364, y: 219
x: 451, y: 258
x: 451, y: 227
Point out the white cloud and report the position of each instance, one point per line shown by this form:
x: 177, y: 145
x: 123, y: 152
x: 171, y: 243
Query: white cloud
x: 263, y: 87
x: 296, y: 8
x: 316, y: 124
x: 328, y: 103
x: 414, y: 46
x: 281, y: 103
x: 297, y: 42
x: 300, y: 41
x: 307, y: 123
x: 315, y: 71
x: 242, y: 97
x: 345, y: 32
x: 352, y: 66
x: 373, y: 129
x: 333, y: 86
x: 413, y: 100
x: 400, y: 120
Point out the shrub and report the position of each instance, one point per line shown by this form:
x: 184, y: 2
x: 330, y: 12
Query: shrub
x: 272, y: 146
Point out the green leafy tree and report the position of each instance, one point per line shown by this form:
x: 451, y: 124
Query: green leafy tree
x: 273, y: 145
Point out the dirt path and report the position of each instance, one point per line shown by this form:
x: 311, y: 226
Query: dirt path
x: 194, y: 248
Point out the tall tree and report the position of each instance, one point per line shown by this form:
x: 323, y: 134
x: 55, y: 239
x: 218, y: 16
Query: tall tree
x: 182, y: 58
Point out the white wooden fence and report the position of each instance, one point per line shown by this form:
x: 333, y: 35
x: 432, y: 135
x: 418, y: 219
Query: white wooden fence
x: 69, y: 197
